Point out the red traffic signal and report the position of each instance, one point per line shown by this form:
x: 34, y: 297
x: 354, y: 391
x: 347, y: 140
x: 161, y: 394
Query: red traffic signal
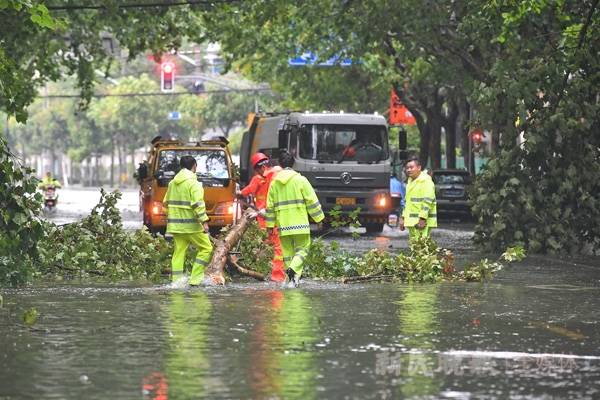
x: 477, y: 136
x: 167, y: 76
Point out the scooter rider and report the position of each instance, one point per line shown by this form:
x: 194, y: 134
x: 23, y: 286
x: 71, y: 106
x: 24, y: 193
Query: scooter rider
x: 48, y: 181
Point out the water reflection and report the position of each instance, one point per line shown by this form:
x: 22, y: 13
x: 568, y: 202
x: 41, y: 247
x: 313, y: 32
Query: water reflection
x: 299, y: 335
x: 187, y: 363
x: 283, y: 361
x: 264, y: 373
x: 418, y: 314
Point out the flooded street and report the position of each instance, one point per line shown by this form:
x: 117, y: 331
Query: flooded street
x: 531, y: 333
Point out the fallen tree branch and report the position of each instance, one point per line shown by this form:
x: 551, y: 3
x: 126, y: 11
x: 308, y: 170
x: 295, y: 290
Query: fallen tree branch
x: 215, y: 271
x: 232, y: 260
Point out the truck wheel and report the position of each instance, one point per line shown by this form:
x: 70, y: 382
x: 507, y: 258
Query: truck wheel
x: 374, y: 227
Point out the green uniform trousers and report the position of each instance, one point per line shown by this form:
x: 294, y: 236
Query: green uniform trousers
x: 295, y: 249
x: 201, y: 241
x: 416, y: 233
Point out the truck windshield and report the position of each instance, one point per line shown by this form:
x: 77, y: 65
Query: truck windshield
x: 211, y: 164
x: 342, y: 143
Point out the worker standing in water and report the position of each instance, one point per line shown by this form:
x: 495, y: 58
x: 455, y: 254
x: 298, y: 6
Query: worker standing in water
x: 259, y: 188
x: 420, y: 210
x: 290, y: 201
x: 187, y: 221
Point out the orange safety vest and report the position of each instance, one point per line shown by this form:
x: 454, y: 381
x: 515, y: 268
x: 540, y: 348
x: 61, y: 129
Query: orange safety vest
x: 259, y: 187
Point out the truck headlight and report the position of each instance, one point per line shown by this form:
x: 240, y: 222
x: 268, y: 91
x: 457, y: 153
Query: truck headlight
x: 158, y: 208
x: 382, y: 201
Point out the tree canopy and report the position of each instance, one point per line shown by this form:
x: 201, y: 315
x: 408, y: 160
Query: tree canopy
x: 526, y: 72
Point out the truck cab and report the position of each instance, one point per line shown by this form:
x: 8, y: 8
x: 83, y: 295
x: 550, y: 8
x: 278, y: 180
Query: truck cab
x: 346, y: 158
x: 214, y: 169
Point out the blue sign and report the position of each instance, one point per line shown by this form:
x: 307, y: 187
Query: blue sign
x: 174, y: 116
x: 308, y: 58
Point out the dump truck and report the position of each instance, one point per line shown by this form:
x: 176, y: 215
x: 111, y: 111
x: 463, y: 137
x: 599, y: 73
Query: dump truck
x: 214, y: 169
x: 345, y: 156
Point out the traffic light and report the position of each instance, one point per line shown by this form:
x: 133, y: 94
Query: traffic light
x: 167, y: 76
x: 477, y: 136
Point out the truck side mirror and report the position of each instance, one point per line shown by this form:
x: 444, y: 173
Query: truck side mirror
x: 142, y: 172
x: 402, y: 139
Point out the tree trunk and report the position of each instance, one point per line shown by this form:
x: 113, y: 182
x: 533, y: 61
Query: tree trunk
x: 65, y: 171
x: 450, y: 126
x: 132, y: 171
x: 214, y: 272
x: 434, y: 122
x: 112, y: 161
x: 120, y: 157
x: 97, y: 170
x: 465, y: 115
x: 90, y: 172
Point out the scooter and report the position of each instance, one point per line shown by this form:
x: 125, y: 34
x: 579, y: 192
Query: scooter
x: 50, y: 198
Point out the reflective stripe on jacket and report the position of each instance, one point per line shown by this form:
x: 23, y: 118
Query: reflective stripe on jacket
x: 186, y: 211
x: 420, y: 201
x: 290, y: 201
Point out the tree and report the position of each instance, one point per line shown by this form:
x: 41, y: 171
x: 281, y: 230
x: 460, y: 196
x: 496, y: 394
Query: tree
x: 43, y: 41
x: 519, y: 69
x: 389, y: 46
x: 226, y: 110
x: 130, y: 122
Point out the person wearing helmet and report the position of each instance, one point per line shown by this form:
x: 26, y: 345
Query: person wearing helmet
x: 259, y: 188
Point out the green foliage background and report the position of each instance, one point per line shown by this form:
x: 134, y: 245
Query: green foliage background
x: 20, y: 227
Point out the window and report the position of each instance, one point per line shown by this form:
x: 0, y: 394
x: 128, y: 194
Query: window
x: 341, y: 143
x: 448, y: 179
x: 211, y: 164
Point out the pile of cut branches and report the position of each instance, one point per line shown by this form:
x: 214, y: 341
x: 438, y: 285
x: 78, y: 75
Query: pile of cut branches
x: 423, y: 262
x: 98, y: 245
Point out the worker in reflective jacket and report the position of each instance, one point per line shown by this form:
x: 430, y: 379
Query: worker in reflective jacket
x: 290, y: 201
x: 259, y: 188
x: 187, y: 221
x: 419, y: 214
x: 48, y: 180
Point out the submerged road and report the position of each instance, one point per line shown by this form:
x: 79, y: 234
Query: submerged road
x: 531, y: 333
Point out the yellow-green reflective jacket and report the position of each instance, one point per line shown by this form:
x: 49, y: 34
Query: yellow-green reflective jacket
x: 420, y: 201
x: 49, y: 182
x: 290, y: 201
x: 186, y: 211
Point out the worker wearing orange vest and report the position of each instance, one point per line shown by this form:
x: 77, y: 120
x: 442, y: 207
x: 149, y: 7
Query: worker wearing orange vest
x: 259, y: 188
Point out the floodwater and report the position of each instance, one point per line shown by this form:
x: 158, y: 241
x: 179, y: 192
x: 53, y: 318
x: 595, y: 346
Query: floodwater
x: 532, y: 333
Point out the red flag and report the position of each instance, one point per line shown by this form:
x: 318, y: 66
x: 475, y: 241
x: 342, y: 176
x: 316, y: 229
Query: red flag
x: 399, y: 114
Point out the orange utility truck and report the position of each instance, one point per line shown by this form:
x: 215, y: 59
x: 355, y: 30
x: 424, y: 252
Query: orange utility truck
x: 215, y: 170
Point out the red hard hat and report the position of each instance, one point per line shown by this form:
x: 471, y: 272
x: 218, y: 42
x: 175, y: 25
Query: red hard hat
x: 256, y: 158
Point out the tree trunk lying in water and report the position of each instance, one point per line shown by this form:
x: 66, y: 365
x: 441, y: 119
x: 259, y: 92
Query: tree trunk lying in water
x: 215, y: 270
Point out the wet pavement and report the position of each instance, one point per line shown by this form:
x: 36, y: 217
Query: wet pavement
x: 531, y: 333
